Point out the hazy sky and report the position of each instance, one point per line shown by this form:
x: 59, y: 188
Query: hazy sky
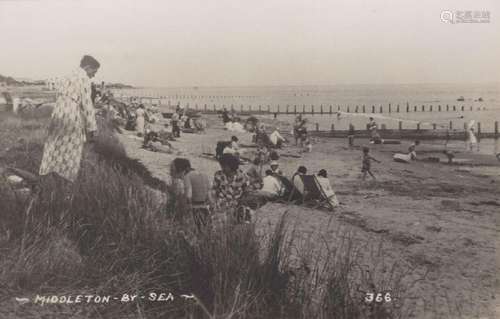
x: 257, y: 42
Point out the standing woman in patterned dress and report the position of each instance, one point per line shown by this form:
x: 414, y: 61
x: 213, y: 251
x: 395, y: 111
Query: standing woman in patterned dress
x: 72, y: 123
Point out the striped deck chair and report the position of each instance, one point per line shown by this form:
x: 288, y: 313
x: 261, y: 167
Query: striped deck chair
x: 314, y: 194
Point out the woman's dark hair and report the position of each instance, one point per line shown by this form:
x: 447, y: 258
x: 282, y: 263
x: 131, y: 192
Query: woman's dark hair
x: 181, y: 165
x: 322, y: 173
x: 234, y: 138
x: 88, y: 60
x: 269, y: 172
x: 229, y: 160
x: 302, y: 170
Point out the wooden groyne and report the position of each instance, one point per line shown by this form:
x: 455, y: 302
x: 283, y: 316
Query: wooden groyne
x: 451, y: 132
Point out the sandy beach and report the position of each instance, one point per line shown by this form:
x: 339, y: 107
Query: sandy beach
x: 440, y: 219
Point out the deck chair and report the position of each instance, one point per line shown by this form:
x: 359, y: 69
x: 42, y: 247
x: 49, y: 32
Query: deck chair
x: 314, y: 194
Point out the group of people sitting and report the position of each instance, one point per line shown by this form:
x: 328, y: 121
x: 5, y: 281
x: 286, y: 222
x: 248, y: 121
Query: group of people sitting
x: 239, y: 193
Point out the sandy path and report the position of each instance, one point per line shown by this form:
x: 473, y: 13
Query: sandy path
x: 436, y: 217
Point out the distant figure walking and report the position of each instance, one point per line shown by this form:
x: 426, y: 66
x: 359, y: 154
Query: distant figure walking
x: 366, y: 168
x: 471, y: 137
x: 72, y: 123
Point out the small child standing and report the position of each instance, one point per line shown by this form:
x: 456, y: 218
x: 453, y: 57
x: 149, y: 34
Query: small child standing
x: 367, y: 163
x: 350, y: 135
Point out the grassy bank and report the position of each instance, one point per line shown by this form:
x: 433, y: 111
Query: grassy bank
x: 112, y: 233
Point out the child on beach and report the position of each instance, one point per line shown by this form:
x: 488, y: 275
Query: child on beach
x: 367, y: 163
x: 350, y: 135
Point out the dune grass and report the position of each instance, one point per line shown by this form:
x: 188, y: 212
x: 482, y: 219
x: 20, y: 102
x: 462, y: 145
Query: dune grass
x: 107, y: 234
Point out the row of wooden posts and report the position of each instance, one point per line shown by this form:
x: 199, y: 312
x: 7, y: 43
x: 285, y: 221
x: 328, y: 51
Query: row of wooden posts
x: 434, y: 127
x: 288, y: 109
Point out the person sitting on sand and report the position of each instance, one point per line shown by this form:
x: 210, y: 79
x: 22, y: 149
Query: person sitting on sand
x: 254, y: 174
x: 324, y: 182
x: 412, y: 150
x: 275, y: 168
x: 228, y: 187
x: 366, y: 168
x: 276, y: 139
x: 297, y: 181
x: 195, y: 189
x: 271, y: 186
x: 233, y: 147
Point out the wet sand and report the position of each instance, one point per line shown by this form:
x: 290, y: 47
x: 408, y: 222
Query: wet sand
x: 439, y: 218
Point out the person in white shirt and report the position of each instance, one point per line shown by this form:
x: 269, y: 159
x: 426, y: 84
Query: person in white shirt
x: 272, y: 187
x: 276, y: 138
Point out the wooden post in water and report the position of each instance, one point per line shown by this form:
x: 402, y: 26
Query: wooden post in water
x: 303, y: 109
x: 331, y: 111
x: 447, y: 107
x: 400, y: 125
x: 451, y: 125
x: 418, y: 126
x: 317, y: 127
x: 260, y: 108
x: 214, y: 108
x: 295, y: 109
x: 496, y: 128
x: 389, y: 107
x: 356, y: 109
x: 397, y: 109
x: 278, y: 111
x: 414, y: 108
x: 312, y: 109
x: 462, y: 107
x: 465, y: 126
x: 348, y: 109
x: 471, y: 107
x: 454, y: 108
x: 364, y: 110
x: 434, y: 126
x: 338, y: 108
x: 407, y: 107
x: 321, y: 109
x: 478, y: 129
x: 381, y: 109
x: 332, y: 128
x: 430, y: 108
x: 287, y: 106
x: 268, y: 109
x: 205, y: 108
x: 423, y: 108
x: 373, y: 108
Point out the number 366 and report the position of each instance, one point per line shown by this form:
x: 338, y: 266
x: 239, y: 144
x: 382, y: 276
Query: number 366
x: 378, y: 297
